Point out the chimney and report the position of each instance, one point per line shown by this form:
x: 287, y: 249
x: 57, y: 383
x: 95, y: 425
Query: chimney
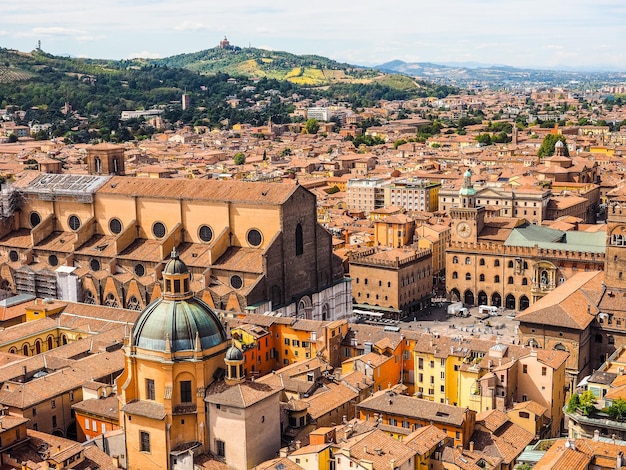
x: 596, y: 435
x: 365, y: 449
x: 471, y: 446
x: 298, y: 444
x: 392, y: 463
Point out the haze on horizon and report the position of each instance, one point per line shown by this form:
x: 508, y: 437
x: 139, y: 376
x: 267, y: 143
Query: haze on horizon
x: 582, y: 34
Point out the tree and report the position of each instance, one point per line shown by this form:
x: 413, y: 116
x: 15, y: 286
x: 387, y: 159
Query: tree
x: 617, y: 410
x: 547, y: 146
x: 240, y: 158
x: 483, y: 139
x: 312, y: 126
x: 587, y: 402
x: 12, y: 138
x: 573, y: 403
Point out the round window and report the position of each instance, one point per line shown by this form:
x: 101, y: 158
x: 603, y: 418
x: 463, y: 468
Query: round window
x: 236, y: 282
x: 140, y: 270
x: 74, y: 222
x: 13, y: 255
x: 53, y: 260
x: 254, y: 237
x: 35, y: 219
x: 94, y: 264
x: 205, y: 233
x: 158, y: 230
x: 115, y: 226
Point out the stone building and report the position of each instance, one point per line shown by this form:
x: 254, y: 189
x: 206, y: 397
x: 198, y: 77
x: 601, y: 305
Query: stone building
x: 509, y: 262
x: 104, y: 240
x: 396, y: 282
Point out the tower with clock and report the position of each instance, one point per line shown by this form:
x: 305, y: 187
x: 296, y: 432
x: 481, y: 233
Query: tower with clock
x: 467, y: 219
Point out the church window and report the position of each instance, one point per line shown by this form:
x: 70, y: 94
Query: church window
x: 205, y: 233
x: 185, y: 391
x: 35, y: 219
x: 159, y: 230
x: 510, y: 264
x: 482, y: 262
x: 115, y: 226
x: 299, y: 240
x: 139, y: 270
x: 468, y: 260
x: 524, y: 282
x: 94, y: 264
x: 254, y: 237
x: 14, y: 255
x: 53, y: 260
x: 236, y: 282
x: 150, y: 393
x: 74, y: 222
x: 144, y: 441
x: 510, y: 280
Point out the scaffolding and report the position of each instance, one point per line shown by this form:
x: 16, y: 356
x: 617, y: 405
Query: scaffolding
x: 42, y: 284
x: 8, y: 201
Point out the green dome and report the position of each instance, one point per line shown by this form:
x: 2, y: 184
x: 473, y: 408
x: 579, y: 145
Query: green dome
x: 180, y: 321
x: 175, y: 265
x: 467, y: 191
x: 234, y: 354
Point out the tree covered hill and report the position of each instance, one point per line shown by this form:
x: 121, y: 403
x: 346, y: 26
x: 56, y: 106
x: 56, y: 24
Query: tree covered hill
x: 99, y: 90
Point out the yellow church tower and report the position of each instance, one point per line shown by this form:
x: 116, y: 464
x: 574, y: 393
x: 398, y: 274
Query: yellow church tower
x: 176, y: 349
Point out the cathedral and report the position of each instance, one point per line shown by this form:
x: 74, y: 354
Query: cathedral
x: 104, y: 239
x: 183, y: 392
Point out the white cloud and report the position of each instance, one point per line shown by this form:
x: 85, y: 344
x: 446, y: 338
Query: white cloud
x: 58, y: 31
x: 189, y: 26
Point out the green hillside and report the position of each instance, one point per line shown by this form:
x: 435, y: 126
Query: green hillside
x: 308, y: 70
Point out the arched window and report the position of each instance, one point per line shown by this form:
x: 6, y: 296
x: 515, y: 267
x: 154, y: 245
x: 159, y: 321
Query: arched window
x: 524, y: 282
x: 496, y: 278
x: 560, y: 347
x: 299, y: 240
x: 510, y: 264
x: 468, y: 260
x: 468, y: 277
x: 455, y: 260
x: 481, y: 262
x: 50, y: 344
x: 525, y: 265
x: 455, y: 275
x: 510, y: 280
x: 610, y: 340
x: 25, y: 350
x: 481, y: 278
x: 496, y: 263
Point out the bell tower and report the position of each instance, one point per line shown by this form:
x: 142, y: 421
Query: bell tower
x: 105, y: 159
x: 615, y: 260
x: 467, y: 219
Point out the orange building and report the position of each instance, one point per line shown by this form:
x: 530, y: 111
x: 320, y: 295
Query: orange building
x: 402, y: 411
x: 98, y: 413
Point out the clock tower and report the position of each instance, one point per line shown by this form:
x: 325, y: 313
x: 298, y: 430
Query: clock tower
x: 467, y: 219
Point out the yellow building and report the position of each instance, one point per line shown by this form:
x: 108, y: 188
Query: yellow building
x: 175, y: 348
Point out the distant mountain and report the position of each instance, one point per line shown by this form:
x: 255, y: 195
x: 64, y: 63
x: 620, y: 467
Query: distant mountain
x: 464, y: 73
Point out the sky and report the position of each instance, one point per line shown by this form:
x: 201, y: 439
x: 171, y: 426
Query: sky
x: 583, y: 34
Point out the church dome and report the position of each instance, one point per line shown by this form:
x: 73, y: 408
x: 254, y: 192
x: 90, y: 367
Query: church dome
x: 234, y: 354
x: 175, y: 265
x: 177, y: 321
